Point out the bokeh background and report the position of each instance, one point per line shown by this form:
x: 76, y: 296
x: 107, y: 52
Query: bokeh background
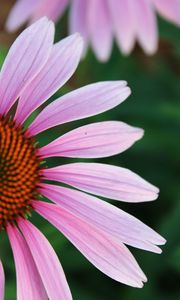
x: 155, y: 106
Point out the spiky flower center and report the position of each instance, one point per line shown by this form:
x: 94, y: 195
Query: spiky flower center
x: 19, y: 171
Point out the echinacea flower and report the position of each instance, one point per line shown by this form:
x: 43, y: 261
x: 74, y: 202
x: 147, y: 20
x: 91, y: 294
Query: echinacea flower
x: 98, y: 21
x: 34, y: 70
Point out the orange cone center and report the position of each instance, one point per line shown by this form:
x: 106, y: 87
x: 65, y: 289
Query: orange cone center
x: 19, y: 171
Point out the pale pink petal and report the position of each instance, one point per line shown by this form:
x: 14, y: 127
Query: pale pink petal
x: 81, y: 103
x: 94, y: 140
x: 108, y: 218
x: 21, y: 13
x: 25, y: 59
x: 100, y: 28
x: 60, y: 66
x: 169, y: 9
x: 29, y: 284
x: 146, y: 25
x: 104, y: 180
x: 2, y: 281
x: 108, y: 255
x: 47, y: 262
x: 51, y: 9
x: 78, y: 19
x: 123, y: 22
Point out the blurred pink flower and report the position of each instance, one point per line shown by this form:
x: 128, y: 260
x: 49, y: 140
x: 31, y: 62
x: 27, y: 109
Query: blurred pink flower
x: 97, y: 21
x: 34, y: 70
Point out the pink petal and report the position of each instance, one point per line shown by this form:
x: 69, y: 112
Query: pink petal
x: 108, y: 218
x: 104, y: 180
x: 78, y: 18
x: 60, y: 66
x: 53, y: 10
x: 100, y: 28
x: 81, y: 103
x: 20, y: 13
x: 112, y: 258
x: 123, y: 22
x: 2, y: 281
x: 169, y: 9
x: 29, y: 284
x: 47, y: 262
x: 25, y: 59
x: 146, y: 26
x: 94, y: 140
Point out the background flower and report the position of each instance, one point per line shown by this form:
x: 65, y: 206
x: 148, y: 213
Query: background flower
x: 98, y: 21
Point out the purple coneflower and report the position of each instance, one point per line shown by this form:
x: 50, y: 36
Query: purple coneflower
x: 98, y: 21
x: 33, y: 70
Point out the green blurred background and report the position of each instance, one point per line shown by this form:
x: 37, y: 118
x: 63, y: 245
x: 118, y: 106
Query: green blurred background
x: 155, y: 106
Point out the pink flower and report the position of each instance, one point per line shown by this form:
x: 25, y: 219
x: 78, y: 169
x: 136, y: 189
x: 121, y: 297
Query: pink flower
x: 98, y: 21
x: 33, y: 71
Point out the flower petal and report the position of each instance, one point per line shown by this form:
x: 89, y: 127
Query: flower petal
x: 81, y: 103
x: 123, y: 22
x: 29, y: 284
x: 146, y: 26
x: 20, y: 13
x: 25, y: 59
x: 108, y: 218
x: 47, y: 262
x: 169, y: 9
x: 51, y: 10
x: 2, y: 281
x: 78, y: 20
x: 100, y: 28
x: 112, y: 258
x: 60, y: 66
x: 104, y: 180
x: 94, y: 140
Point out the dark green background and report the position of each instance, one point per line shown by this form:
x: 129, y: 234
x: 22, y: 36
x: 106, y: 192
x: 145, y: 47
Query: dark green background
x: 155, y: 106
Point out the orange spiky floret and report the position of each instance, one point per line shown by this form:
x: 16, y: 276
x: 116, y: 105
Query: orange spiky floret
x: 19, y: 171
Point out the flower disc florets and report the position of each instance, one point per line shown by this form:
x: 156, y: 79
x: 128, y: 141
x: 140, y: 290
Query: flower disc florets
x: 19, y: 171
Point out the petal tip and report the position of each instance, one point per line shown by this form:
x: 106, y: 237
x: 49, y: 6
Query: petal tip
x: 162, y: 241
x: 141, y: 283
x: 139, y: 132
x: 126, y: 92
x: 156, y: 191
x: 43, y: 19
x: 151, y: 49
x: 78, y: 37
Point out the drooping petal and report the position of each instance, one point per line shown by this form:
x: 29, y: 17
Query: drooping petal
x: 60, y: 66
x: 100, y: 28
x: 29, y: 284
x: 123, y: 23
x: 21, y: 13
x: 52, y: 10
x: 146, y: 25
x: 108, y: 218
x: 2, y: 281
x: 81, y: 103
x: 104, y: 180
x: 25, y: 59
x: 78, y: 19
x: 47, y: 262
x: 169, y: 9
x: 94, y: 140
x: 112, y: 258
